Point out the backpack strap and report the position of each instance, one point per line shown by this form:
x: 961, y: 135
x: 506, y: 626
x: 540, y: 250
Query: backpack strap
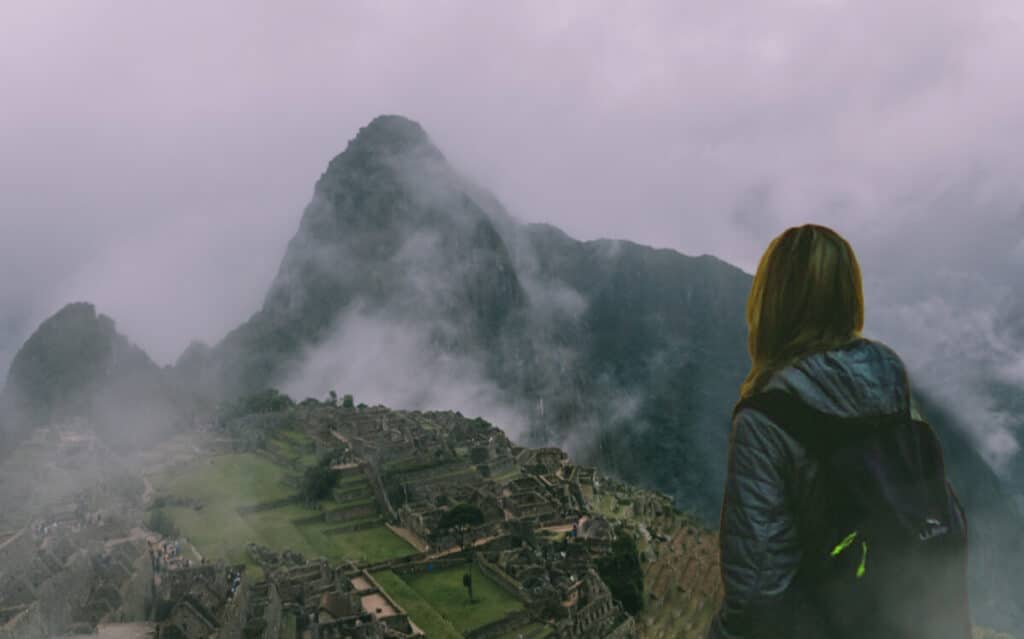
x: 816, y: 430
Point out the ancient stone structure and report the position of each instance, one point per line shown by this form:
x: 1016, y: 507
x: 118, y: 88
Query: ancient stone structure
x: 538, y: 539
x: 74, y: 567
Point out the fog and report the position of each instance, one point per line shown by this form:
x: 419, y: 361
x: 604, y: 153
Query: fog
x: 156, y: 160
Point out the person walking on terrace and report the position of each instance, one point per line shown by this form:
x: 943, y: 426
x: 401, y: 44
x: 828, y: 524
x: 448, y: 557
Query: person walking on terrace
x: 837, y: 519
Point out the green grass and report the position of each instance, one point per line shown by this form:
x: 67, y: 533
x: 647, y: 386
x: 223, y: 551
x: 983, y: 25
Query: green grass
x: 609, y: 506
x: 295, y: 437
x: 295, y: 446
x: 422, y: 613
x: 243, y: 479
x: 352, y: 478
x: 219, y: 532
x: 507, y: 477
x: 444, y: 591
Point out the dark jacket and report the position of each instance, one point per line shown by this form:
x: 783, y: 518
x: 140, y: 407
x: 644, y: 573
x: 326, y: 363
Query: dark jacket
x: 771, y: 492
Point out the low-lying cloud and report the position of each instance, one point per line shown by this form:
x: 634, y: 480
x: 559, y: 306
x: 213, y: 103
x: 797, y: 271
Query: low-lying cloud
x: 161, y: 181
x: 394, y: 362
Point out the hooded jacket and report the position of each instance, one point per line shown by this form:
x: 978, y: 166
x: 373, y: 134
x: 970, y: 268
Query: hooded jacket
x: 771, y: 491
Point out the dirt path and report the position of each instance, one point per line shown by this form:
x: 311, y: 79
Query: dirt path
x: 452, y: 551
x: 133, y: 535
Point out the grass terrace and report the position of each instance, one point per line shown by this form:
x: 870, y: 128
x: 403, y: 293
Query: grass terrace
x: 225, y: 483
x: 294, y: 446
x: 438, y: 602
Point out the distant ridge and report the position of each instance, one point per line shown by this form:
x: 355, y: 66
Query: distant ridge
x: 76, y: 365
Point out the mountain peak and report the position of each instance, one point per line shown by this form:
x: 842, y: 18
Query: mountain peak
x: 380, y: 148
x: 392, y: 135
x: 76, y: 364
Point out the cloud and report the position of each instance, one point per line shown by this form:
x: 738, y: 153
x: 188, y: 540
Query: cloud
x: 387, y: 360
x: 155, y: 159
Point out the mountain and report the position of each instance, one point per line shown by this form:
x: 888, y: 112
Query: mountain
x: 390, y: 230
x: 76, y: 365
x: 659, y: 352
x: 627, y: 355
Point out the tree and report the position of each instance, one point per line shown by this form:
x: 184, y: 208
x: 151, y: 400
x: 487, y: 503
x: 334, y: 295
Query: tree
x: 269, y: 400
x: 332, y: 398
x: 467, y: 582
x: 318, y: 481
x: 460, y: 520
x: 622, y: 572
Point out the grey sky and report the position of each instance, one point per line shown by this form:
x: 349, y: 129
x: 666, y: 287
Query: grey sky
x: 155, y: 158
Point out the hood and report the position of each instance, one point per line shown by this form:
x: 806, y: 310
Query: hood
x: 860, y: 379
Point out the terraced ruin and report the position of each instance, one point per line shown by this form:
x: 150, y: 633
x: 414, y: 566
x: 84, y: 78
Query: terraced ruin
x: 218, y: 538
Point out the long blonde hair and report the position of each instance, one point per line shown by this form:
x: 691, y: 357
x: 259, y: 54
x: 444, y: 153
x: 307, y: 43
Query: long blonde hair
x: 806, y: 297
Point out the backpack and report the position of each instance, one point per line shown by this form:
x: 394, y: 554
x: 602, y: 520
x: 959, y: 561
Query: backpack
x: 886, y: 556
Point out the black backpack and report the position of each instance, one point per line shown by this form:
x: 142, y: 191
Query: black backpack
x: 886, y: 554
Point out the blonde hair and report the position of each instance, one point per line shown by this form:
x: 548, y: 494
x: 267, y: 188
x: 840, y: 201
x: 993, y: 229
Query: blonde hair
x: 806, y: 297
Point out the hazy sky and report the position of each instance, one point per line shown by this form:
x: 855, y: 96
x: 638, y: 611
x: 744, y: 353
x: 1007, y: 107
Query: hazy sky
x: 155, y: 157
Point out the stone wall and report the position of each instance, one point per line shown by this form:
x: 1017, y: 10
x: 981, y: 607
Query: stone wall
x: 379, y: 493
x: 341, y: 530
x: 502, y: 578
x: 625, y: 630
x: 502, y: 626
x: 359, y: 511
x: 397, y: 562
x: 432, y: 565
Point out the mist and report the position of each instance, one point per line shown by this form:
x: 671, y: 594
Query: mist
x: 155, y: 161
x: 385, y: 361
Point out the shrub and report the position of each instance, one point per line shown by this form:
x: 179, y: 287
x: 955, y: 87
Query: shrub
x: 162, y: 523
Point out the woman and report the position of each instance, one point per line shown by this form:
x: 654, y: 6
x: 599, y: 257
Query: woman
x: 804, y: 315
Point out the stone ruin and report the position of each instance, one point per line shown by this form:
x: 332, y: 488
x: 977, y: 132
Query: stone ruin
x: 270, y: 560
x: 594, y: 613
x: 201, y: 601
x: 74, y: 567
x: 424, y: 462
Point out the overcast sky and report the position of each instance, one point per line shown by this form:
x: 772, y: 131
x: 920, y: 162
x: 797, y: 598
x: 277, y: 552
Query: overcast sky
x: 155, y: 157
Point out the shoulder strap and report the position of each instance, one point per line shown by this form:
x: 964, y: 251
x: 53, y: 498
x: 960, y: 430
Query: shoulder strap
x: 818, y: 431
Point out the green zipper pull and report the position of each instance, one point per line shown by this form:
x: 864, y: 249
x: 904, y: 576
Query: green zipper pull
x: 844, y: 544
x: 863, y: 559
